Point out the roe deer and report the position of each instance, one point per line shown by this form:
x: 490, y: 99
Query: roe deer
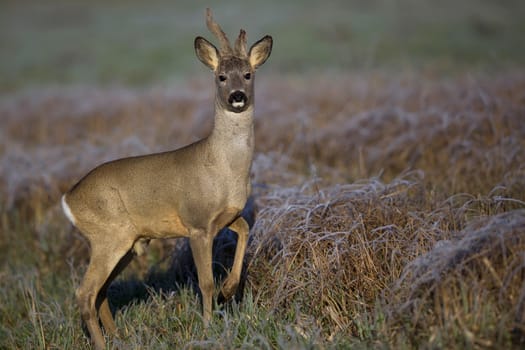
x: 190, y: 192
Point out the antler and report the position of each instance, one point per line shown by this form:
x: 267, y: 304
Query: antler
x: 217, y: 31
x: 225, y: 48
x: 240, y: 44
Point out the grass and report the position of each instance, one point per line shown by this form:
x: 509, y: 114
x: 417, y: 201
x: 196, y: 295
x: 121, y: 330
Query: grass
x: 389, y: 213
x: 388, y: 197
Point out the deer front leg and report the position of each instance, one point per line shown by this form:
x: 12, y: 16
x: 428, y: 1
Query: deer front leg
x: 240, y: 226
x: 201, y: 248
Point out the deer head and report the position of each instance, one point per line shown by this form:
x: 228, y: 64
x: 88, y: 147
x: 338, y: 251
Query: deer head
x: 234, y: 68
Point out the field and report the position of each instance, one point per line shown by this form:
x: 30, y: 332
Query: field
x: 389, y: 176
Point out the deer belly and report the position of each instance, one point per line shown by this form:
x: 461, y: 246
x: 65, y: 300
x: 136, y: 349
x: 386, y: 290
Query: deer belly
x: 168, y: 225
x: 225, y: 218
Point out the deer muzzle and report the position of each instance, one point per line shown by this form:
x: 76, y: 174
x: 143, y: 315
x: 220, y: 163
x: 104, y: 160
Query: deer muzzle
x: 238, y: 99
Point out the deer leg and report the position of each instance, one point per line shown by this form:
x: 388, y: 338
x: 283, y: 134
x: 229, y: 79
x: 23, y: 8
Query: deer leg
x: 106, y: 317
x: 103, y: 260
x: 240, y: 226
x: 104, y: 311
x: 201, y: 248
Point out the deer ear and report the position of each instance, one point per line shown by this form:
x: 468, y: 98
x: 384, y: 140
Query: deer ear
x: 207, y: 52
x: 260, y: 51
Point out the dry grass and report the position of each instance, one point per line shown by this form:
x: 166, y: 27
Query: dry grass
x: 390, y: 212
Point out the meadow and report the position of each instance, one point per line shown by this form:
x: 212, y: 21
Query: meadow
x: 388, y: 204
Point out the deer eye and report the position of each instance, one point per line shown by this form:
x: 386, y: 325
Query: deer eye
x: 222, y: 77
x: 247, y: 76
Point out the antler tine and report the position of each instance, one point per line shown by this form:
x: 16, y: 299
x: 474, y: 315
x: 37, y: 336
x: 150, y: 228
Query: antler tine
x: 218, y: 32
x: 240, y: 44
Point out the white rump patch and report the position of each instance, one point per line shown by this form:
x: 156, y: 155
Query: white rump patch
x: 67, y: 210
x: 239, y: 104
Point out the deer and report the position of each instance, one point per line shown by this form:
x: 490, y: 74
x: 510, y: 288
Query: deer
x: 191, y: 192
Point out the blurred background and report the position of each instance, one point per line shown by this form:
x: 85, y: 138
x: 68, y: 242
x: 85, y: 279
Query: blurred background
x: 142, y: 43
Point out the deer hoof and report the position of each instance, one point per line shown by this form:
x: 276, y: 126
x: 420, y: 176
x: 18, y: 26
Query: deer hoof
x: 228, y: 290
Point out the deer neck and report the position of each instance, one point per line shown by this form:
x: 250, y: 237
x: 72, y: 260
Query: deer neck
x: 233, y: 136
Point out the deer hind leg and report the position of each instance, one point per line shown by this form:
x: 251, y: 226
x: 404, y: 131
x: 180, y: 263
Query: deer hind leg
x: 240, y: 226
x: 104, y: 311
x: 104, y: 258
x: 201, y: 248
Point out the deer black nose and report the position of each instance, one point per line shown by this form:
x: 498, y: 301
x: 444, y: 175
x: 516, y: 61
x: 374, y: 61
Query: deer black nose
x: 237, y: 99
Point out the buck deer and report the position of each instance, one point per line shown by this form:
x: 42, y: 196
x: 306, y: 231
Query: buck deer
x: 190, y: 192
